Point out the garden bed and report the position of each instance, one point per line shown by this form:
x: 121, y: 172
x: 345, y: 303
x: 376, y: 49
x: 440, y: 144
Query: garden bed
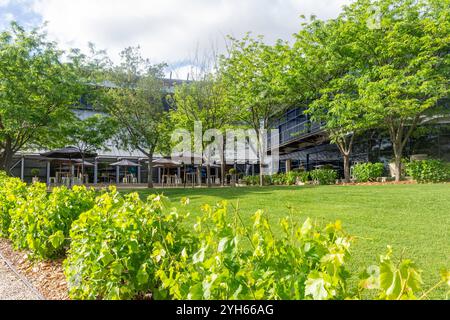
x: 378, y: 183
x: 46, y: 276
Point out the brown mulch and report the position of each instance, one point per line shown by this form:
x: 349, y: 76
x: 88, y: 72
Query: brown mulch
x: 46, y: 276
x: 378, y: 183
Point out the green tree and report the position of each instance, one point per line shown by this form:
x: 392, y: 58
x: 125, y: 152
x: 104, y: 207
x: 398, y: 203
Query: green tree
x: 202, y: 101
x: 405, y: 72
x: 254, y: 75
x: 89, y: 134
x: 324, y: 74
x: 36, y: 90
x: 137, y: 105
x: 381, y: 63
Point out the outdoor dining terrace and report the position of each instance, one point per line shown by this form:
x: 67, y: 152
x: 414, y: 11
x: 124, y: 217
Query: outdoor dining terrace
x: 69, y: 167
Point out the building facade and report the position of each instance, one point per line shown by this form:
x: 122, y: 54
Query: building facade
x: 304, y: 144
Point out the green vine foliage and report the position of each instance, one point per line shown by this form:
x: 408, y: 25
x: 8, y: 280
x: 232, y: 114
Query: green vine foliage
x: 426, y: 171
x: 12, y: 191
x: 364, y: 172
x: 121, y: 247
x: 117, y: 245
x: 235, y: 261
x: 41, y: 222
x: 397, y: 279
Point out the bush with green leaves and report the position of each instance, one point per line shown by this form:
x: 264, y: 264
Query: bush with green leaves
x: 126, y: 248
x: 117, y: 245
x: 425, y: 171
x: 234, y: 261
x: 251, y: 180
x: 41, y: 223
x: 12, y: 192
x: 278, y: 179
x: 397, y: 279
x: 365, y: 172
x: 323, y: 176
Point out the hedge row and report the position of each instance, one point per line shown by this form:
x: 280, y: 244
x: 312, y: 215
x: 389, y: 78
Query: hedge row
x: 318, y: 176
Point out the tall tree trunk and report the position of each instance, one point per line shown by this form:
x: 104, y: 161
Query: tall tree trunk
x: 150, y: 171
x: 199, y: 175
x: 222, y: 166
x: 208, y: 175
x: 345, y: 146
x: 399, y: 138
x: 398, y: 151
x: 260, y: 157
x: 6, y: 157
x: 347, y: 176
x: 261, y: 174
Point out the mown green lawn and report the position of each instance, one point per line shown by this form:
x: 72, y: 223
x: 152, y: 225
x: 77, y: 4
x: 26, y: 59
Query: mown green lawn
x: 412, y: 218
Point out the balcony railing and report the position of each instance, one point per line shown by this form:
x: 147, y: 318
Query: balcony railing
x: 295, y: 132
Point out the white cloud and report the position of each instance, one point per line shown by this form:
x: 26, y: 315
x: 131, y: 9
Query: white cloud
x: 171, y: 30
x: 4, y: 3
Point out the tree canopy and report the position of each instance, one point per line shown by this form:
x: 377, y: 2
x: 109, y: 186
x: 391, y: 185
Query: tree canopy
x: 136, y: 104
x: 36, y: 90
x: 254, y: 74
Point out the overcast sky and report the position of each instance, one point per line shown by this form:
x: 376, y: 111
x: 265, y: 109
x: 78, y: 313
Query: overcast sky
x: 166, y: 30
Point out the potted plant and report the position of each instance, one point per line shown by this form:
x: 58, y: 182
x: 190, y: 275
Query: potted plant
x: 35, y: 173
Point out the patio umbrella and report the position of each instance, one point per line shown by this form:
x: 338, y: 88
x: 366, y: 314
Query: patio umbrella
x: 70, y: 153
x: 125, y: 163
x: 165, y: 163
x: 83, y: 163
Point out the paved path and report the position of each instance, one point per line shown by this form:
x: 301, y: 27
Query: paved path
x: 12, y: 287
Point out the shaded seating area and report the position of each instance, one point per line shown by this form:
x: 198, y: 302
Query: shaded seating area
x: 127, y: 176
x: 70, y: 166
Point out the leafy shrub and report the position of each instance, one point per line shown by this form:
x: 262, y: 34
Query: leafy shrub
x: 304, y: 176
x: 424, y: 171
x: 364, y: 172
x: 234, y: 261
x: 12, y: 191
x: 397, y: 279
x: 267, y: 180
x: 116, y: 245
x: 126, y: 248
x: 251, y: 180
x: 290, y: 178
x: 323, y: 176
x: 35, y: 172
x: 278, y: 179
x: 41, y: 223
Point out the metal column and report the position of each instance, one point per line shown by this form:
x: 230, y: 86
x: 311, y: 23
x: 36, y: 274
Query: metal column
x: 139, y: 172
x: 22, y: 169
x: 95, y: 171
x: 48, y: 172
